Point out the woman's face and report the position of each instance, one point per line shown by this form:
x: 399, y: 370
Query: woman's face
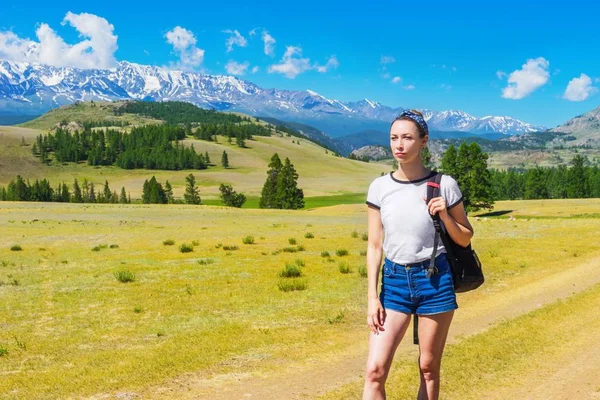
x: 405, y: 141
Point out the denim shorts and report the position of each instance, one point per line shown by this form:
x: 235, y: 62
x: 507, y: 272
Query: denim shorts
x: 407, y: 289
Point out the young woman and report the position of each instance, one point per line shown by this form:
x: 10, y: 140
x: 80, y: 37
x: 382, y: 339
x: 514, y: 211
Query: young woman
x: 400, y: 226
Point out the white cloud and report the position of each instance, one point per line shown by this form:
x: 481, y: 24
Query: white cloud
x: 409, y: 87
x: 235, y: 68
x: 454, y: 69
x: 526, y: 80
x: 579, y: 89
x: 396, y: 79
x: 96, y: 50
x: 235, y: 39
x: 255, y: 69
x: 184, y: 44
x: 269, y: 43
x: 501, y: 74
x: 597, y: 80
x: 293, y: 64
x: 387, y: 60
x: 386, y: 75
x: 332, y: 63
x: 252, y: 32
x: 446, y: 86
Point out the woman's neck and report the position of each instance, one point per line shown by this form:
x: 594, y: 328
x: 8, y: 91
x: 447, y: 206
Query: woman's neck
x: 411, y: 172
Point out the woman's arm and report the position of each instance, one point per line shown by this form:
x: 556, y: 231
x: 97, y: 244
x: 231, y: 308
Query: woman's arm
x: 376, y: 313
x: 455, y: 220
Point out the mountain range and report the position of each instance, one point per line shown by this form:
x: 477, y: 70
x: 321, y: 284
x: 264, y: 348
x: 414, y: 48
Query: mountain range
x: 32, y: 89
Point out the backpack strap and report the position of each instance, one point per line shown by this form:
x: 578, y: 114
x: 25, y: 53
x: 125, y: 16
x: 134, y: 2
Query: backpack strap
x: 433, y: 190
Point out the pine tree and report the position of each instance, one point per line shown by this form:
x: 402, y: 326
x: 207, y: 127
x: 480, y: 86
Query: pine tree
x: 449, y: 166
x: 479, y: 179
x: 224, y: 160
x: 192, y: 194
x: 207, y: 157
x: 425, y: 157
x: 106, y: 193
x: 92, y: 193
x: 576, y: 187
x: 77, y: 195
x: 288, y: 195
x: 269, y: 190
x: 85, y: 192
x: 230, y: 198
x: 123, y: 197
x: 169, y: 193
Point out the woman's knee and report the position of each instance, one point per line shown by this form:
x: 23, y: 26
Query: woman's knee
x: 376, y: 373
x: 430, y: 367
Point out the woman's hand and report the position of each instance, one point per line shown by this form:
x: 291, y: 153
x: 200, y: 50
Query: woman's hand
x: 437, y: 205
x: 376, y: 315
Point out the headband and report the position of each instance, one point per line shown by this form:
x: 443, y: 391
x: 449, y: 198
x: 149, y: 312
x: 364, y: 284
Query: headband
x: 416, y: 118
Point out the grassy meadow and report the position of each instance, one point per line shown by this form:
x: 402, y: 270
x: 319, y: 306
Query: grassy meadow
x: 233, y: 307
x: 321, y: 174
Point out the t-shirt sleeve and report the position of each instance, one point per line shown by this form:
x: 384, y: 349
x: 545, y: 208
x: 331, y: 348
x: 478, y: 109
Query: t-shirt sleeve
x: 451, y: 192
x: 373, y: 196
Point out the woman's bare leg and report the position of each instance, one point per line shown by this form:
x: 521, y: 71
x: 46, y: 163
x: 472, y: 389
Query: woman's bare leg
x: 382, y: 346
x: 433, y: 331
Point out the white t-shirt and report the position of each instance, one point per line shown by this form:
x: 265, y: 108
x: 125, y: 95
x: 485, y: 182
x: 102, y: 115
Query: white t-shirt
x: 408, y: 228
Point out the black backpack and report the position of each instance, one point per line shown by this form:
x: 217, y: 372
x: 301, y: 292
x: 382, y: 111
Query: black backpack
x: 466, y: 267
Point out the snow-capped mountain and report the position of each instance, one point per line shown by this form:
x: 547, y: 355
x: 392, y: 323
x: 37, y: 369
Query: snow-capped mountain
x: 29, y: 89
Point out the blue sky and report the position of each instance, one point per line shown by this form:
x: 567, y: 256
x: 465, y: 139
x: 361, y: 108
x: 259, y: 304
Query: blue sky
x: 445, y: 55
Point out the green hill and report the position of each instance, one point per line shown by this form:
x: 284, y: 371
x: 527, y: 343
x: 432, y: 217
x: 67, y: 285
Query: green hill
x: 320, y: 172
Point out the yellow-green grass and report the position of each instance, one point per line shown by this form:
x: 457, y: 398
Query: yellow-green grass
x: 212, y: 311
x: 86, y: 111
x: 551, y: 208
x: 320, y: 173
x: 512, y: 357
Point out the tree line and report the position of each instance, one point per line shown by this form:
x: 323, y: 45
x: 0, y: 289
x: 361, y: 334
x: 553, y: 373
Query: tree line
x: 21, y: 190
x: 580, y: 180
x: 149, y: 147
x: 177, y: 112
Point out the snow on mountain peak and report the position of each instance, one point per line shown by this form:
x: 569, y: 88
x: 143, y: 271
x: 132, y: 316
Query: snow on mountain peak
x: 36, y: 88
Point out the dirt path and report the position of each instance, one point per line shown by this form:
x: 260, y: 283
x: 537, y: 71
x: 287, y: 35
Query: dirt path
x: 315, y: 378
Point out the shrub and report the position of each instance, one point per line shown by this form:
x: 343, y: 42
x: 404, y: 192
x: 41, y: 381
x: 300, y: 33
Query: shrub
x: 301, y: 248
x: 337, y: 319
x: 137, y: 310
x: 291, y: 271
x: 290, y: 285
x: 125, y: 276
x: 114, y: 246
x: 16, y: 247
x: 299, y: 262
x: 186, y: 248
x: 344, y: 268
x: 309, y: 235
x: 362, y: 270
x: 354, y: 234
x: 325, y: 254
x: 169, y: 242
x: 3, y: 351
x: 195, y: 243
x: 363, y: 253
x: 341, y: 252
x: 289, y: 250
x: 248, y: 240
x: 206, y: 261
x: 229, y: 248
x: 365, y: 237
x: 99, y: 247
x: 292, y: 241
